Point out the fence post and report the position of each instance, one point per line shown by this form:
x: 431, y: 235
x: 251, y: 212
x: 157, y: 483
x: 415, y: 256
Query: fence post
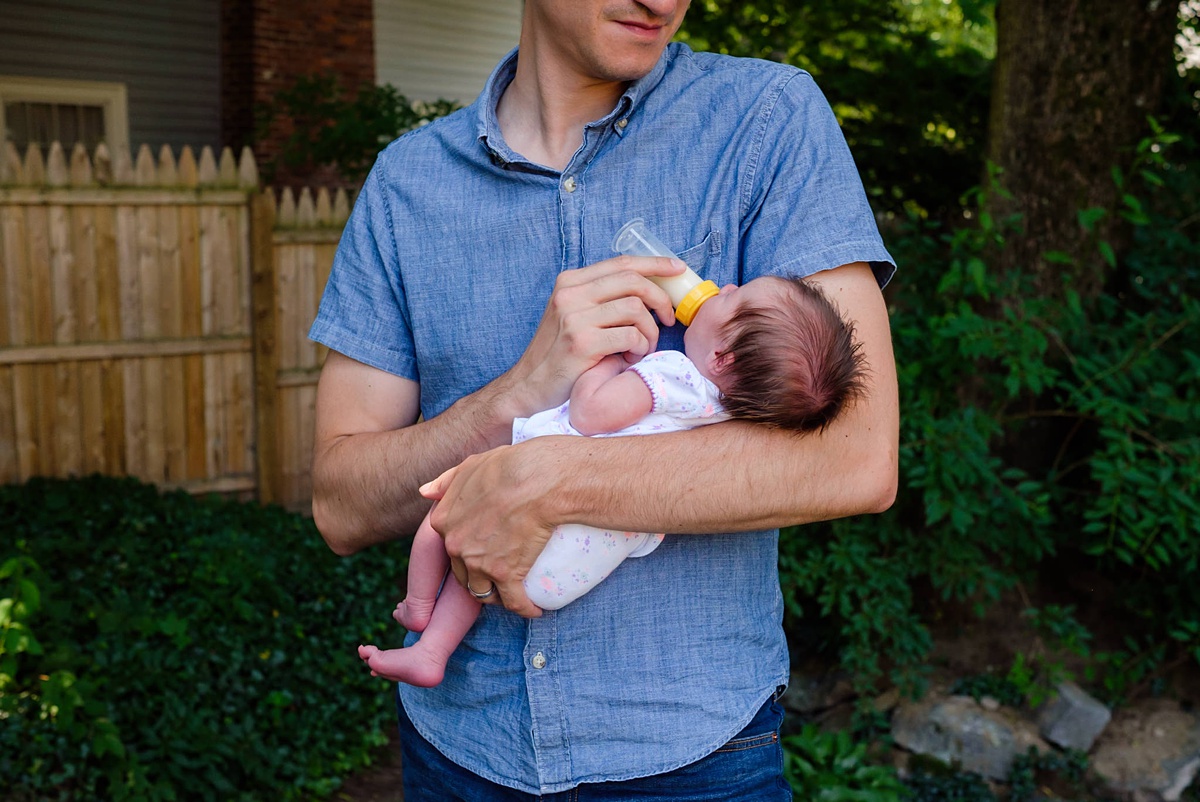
x: 266, y: 344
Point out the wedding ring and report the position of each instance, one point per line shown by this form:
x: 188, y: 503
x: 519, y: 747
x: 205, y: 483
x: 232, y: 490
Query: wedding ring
x: 481, y: 596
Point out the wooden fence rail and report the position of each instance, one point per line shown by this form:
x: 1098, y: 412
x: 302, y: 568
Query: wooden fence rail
x: 153, y: 319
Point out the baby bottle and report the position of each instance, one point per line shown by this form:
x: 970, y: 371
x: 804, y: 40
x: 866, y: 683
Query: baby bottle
x: 687, y: 291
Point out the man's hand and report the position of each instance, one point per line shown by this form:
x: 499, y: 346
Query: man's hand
x: 594, y: 311
x: 492, y: 537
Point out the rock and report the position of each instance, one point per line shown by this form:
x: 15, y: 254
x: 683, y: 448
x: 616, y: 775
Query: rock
x: 1073, y: 719
x: 1151, y: 750
x: 807, y: 694
x: 957, y: 730
x: 886, y: 701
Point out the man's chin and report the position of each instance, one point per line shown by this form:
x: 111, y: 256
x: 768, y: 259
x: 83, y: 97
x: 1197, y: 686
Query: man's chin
x: 628, y: 72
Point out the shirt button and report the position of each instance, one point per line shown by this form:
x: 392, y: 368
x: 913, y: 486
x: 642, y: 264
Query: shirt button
x: 569, y: 183
x: 539, y: 660
x: 622, y: 123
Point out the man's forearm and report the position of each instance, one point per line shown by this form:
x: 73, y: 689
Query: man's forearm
x: 740, y: 476
x: 723, y: 478
x: 365, y: 484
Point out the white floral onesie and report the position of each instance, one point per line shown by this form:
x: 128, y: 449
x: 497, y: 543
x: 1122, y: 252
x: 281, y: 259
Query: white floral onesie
x: 577, y: 557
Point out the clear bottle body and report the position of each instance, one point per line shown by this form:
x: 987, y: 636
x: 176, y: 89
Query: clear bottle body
x: 686, y: 289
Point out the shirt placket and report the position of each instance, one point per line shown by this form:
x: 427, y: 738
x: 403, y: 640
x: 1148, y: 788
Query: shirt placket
x: 572, y: 194
x: 547, y: 704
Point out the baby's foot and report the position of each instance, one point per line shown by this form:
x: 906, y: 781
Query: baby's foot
x: 411, y: 665
x: 413, y: 614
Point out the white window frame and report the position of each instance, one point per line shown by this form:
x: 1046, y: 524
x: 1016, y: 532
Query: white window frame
x: 111, y: 97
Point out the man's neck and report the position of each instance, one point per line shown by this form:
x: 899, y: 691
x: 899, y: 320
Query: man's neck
x: 543, y: 111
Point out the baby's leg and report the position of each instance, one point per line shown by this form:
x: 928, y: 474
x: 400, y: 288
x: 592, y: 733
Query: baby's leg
x: 424, y: 663
x: 427, y: 566
x: 578, y: 557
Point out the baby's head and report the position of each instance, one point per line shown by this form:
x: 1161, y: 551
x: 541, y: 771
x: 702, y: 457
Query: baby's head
x: 780, y: 353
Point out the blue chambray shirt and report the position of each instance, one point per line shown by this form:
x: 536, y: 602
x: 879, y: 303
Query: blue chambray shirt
x: 442, y: 275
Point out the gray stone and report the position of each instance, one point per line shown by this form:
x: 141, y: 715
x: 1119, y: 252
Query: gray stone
x: 1151, y: 750
x: 808, y: 694
x: 1073, y: 719
x: 958, y: 731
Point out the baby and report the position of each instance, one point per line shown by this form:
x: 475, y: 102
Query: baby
x: 774, y: 351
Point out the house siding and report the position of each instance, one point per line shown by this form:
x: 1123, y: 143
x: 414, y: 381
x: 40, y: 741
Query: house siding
x: 443, y: 50
x: 167, y: 54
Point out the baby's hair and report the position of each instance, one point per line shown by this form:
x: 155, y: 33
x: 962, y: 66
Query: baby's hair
x: 795, y: 365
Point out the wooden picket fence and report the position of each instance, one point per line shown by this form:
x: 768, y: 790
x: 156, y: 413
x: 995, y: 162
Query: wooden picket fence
x: 153, y: 320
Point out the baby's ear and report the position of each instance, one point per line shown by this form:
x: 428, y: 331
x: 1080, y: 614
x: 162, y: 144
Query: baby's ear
x: 721, y: 361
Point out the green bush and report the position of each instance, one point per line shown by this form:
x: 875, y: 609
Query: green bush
x: 161, y: 647
x: 326, y: 125
x: 833, y: 767
x: 1032, y: 428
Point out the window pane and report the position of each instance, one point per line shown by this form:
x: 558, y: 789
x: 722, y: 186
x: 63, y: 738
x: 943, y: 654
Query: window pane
x: 45, y: 123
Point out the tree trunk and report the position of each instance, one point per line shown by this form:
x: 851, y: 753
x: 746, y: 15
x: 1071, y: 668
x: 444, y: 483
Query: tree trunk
x: 1074, y: 82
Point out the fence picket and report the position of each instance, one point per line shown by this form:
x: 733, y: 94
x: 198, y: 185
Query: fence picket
x: 168, y: 173
x: 81, y: 166
x: 247, y: 170
x: 56, y: 167
x: 35, y: 166
x: 227, y: 170
x: 145, y: 174
x: 12, y: 171
x: 123, y: 174
x: 306, y: 213
x: 10, y: 467
x: 286, y: 218
x: 188, y: 176
x: 324, y: 211
x: 208, y: 168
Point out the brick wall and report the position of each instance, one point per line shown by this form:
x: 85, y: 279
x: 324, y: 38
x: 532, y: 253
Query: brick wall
x: 268, y: 44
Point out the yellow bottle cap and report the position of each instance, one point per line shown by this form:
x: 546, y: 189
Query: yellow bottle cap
x: 691, y: 303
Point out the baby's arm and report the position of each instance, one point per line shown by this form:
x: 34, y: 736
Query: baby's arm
x: 608, y: 398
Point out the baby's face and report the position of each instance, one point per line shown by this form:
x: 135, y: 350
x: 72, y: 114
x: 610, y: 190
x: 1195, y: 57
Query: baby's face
x: 703, y: 341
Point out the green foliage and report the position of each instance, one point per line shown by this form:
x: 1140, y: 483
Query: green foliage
x: 22, y: 600
x: 832, y: 767
x: 1032, y: 428
x: 1034, y: 673
x: 1001, y: 687
x: 1034, y: 775
x: 328, y: 126
x: 946, y: 786
x: 189, y: 649
x: 921, y: 147
x: 1034, y: 770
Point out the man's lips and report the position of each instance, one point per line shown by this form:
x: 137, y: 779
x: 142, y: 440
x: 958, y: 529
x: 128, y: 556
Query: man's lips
x: 644, y: 30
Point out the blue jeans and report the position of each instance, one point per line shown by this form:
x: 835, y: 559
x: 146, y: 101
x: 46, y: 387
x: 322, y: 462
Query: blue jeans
x: 747, y: 769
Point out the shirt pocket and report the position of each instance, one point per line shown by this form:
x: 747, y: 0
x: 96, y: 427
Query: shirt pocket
x: 705, y: 259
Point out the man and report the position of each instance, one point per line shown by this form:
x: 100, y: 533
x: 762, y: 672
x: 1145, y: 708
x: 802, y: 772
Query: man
x: 473, y: 286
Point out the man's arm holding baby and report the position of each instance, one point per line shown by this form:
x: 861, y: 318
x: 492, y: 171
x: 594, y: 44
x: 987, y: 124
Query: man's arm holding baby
x: 370, y: 454
x: 502, y: 505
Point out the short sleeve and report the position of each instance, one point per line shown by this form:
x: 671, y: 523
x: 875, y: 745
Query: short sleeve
x: 678, y: 388
x: 806, y: 202
x: 363, y: 313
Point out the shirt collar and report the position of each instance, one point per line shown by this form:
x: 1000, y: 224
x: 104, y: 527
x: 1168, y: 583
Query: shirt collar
x: 488, y: 125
